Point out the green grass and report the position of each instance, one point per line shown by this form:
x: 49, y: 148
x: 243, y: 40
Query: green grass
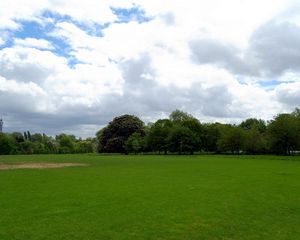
x: 152, y: 197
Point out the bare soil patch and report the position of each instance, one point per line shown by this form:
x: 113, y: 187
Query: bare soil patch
x: 4, y: 166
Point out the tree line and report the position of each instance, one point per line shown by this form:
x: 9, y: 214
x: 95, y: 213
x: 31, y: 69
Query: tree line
x: 181, y: 133
x: 27, y: 143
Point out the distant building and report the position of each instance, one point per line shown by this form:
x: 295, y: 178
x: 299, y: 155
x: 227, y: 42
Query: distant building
x: 1, y: 125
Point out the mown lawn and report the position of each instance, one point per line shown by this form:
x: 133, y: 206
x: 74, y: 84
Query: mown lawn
x: 152, y: 197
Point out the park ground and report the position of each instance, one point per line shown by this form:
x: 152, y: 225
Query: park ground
x: 151, y: 197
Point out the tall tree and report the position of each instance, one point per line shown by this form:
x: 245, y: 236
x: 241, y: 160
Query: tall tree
x: 66, y: 143
x: 182, y: 140
x: 186, y: 133
x: 7, y: 144
x: 253, y: 123
x: 134, y: 143
x: 157, y: 138
x: 210, y: 137
x: 113, y: 137
x: 179, y: 116
x: 254, y: 141
x: 284, y: 133
x: 231, y: 139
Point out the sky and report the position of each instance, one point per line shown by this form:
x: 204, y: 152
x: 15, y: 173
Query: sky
x: 72, y: 66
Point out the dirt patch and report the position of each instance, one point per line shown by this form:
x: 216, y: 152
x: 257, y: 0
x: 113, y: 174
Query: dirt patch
x: 4, y: 166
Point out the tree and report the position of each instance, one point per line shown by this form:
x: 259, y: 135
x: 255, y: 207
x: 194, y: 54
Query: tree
x: 284, y: 133
x: 210, y: 137
x: 26, y: 147
x: 84, y: 146
x: 254, y: 141
x: 113, y: 137
x: 231, y: 139
x: 37, y: 137
x: 66, y: 143
x: 182, y: 140
x: 194, y: 125
x: 7, y: 144
x: 254, y: 135
x: 157, y: 138
x: 296, y: 113
x: 28, y: 136
x: 188, y: 131
x: 252, y: 123
x: 179, y: 116
x: 18, y: 137
x: 134, y: 143
x: 51, y: 145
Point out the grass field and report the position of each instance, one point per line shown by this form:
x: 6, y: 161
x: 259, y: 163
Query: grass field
x: 151, y: 197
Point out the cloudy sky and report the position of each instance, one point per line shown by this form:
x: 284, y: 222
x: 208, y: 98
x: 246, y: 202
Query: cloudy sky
x: 71, y: 66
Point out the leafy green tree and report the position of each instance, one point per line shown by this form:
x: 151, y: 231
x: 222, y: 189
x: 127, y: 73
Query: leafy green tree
x: 179, y: 116
x: 113, y: 137
x: 28, y: 136
x: 134, y: 143
x: 182, y: 140
x: 296, y: 113
x: 157, y: 137
x: 252, y: 123
x: 51, y: 145
x: 37, y: 137
x: 284, y: 133
x: 210, y: 137
x: 197, y: 129
x: 25, y: 136
x: 66, y: 143
x: 84, y: 146
x: 18, y: 137
x: 254, y: 141
x: 231, y: 139
x: 186, y: 133
x: 26, y: 147
x: 39, y: 148
x: 100, y: 139
x: 254, y: 135
x: 7, y: 144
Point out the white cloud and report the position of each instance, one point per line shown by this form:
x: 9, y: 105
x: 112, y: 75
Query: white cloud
x: 34, y: 43
x: 148, y: 68
x: 29, y: 64
x: 289, y: 94
x: 20, y: 87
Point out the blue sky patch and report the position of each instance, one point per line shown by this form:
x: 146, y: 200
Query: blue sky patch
x: 271, y: 84
x: 91, y: 28
x: 36, y: 30
x: 33, y: 29
x: 135, y: 13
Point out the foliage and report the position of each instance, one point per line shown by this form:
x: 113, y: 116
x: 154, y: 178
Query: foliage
x: 181, y: 133
x: 18, y: 143
x: 134, y: 143
x: 284, y: 133
x: 7, y: 144
x: 157, y: 138
x: 178, y: 116
x: 255, y: 142
x: 115, y: 134
x: 182, y: 140
x: 231, y: 139
x: 210, y: 136
x: 66, y: 143
x: 253, y: 123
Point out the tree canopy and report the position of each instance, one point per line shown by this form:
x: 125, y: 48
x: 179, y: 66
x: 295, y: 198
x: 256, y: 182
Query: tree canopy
x: 113, y: 137
x: 182, y: 133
